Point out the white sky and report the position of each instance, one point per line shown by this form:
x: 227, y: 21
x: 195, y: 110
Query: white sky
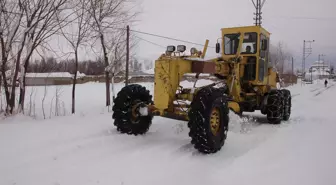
x: 197, y: 20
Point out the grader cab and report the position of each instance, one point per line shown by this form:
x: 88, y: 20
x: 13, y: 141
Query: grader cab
x: 245, y: 83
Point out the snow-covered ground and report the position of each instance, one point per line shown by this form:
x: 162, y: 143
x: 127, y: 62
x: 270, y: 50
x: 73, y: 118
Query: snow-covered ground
x: 86, y: 149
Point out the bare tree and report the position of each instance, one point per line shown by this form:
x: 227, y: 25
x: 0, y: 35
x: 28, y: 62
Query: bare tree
x: 36, y: 20
x: 118, y: 56
x: 77, y: 35
x: 109, y: 16
x: 41, y: 23
x: 11, y: 16
x: 278, y: 56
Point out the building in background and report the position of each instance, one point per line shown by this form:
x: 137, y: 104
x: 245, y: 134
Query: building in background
x: 318, y: 70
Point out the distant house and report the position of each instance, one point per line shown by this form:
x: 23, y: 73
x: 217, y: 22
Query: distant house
x: 321, y: 67
x: 57, y: 78
x: 318, y: 70
x: 134, y: 74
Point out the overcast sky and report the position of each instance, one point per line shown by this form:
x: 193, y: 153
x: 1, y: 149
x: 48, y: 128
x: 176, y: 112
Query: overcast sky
x: 290, y: 21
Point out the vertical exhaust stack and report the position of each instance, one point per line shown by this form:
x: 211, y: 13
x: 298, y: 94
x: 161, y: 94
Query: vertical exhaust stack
x: 205, y: 48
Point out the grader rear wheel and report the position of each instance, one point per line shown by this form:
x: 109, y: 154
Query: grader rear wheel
x: 287, y: 104
x: 208, y: 120
x: 275, y: 106
x: 126, y: 117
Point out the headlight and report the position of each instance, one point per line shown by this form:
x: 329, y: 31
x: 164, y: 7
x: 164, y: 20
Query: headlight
x: 193, y: 51
x: 171, y: 48
x: 181, y: 48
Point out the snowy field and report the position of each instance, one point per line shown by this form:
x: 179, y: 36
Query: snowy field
x: 86, y: 149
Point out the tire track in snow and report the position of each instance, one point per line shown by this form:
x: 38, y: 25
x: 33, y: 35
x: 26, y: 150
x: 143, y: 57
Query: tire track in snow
x: 295, y: 95
x: 250, y: 122
x: 320, y: 92
x: 315, y: 90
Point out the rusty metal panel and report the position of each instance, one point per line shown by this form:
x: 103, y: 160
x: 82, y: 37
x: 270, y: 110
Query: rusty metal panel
x: 203, y: 67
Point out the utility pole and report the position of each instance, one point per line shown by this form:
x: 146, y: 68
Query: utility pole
x: 319, y: 66
x: 307, y: 50
x: 258, y: 6
x: 127, y: 54
x: 323, y: 72
x: 292, y: 71
x: 311, y: 74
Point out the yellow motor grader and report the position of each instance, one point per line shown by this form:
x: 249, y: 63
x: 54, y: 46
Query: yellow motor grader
x: 245, y: 82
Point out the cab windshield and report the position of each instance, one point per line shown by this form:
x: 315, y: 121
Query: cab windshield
x: 231, y: 42
x: 249, y: 45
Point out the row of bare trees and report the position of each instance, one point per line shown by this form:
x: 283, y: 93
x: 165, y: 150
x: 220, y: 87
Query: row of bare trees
x: 26, y: 26
x: 51, y: 64
x: 88, y: 67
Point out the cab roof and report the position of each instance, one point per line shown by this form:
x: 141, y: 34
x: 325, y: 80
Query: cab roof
x: 246, y: 29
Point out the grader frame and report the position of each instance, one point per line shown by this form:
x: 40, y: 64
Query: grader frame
x: 170, y: 69
x: 245, y: 83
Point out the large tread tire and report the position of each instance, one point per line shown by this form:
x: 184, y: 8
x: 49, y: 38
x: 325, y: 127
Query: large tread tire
x: 122, y: 110
x: 199, y: 120
x: 287, y: 104
x: 275, y: 106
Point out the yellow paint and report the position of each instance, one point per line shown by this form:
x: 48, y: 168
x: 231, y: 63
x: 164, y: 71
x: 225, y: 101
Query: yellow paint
x: 168, y: 74
x: 234, y: 106
x: 205, y: 48
x: 215, y: 121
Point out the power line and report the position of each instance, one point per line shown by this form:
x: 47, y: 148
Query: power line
x: 169, y: 38
x: 306, y: 18
x: 150, y: 42
x: 156, y: 35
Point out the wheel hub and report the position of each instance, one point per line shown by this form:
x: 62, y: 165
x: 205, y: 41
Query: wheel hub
x: 135, y: 111
x: 215, y: 121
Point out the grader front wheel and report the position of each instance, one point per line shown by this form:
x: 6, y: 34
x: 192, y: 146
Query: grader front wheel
x: 126, y: 117
x: 208, y: 120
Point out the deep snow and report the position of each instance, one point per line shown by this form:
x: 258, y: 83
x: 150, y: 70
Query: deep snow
x: 86, y: 149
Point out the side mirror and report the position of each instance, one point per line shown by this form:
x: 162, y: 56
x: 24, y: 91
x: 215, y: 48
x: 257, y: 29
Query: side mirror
x: 264, y: 45
x: 217, y: 47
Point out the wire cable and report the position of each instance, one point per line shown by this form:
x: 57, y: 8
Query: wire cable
x: 149, y: 41
x: 306, y: 18
x: 169, y: 38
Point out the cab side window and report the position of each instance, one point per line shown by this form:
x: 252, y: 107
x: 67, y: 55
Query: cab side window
x: 263, y: 60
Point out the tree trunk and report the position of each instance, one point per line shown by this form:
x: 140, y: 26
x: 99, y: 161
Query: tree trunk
x: 112, y: 84
x: 0, y: 95
x: 23, y: 88
x: 23, y: 82
x: 16, y: 71
x: 11, y: 103
x: 22, y: 94
x: 107, y: 79
x: 3, y: 74
x: 74, y: 83
x: 107, y: 84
